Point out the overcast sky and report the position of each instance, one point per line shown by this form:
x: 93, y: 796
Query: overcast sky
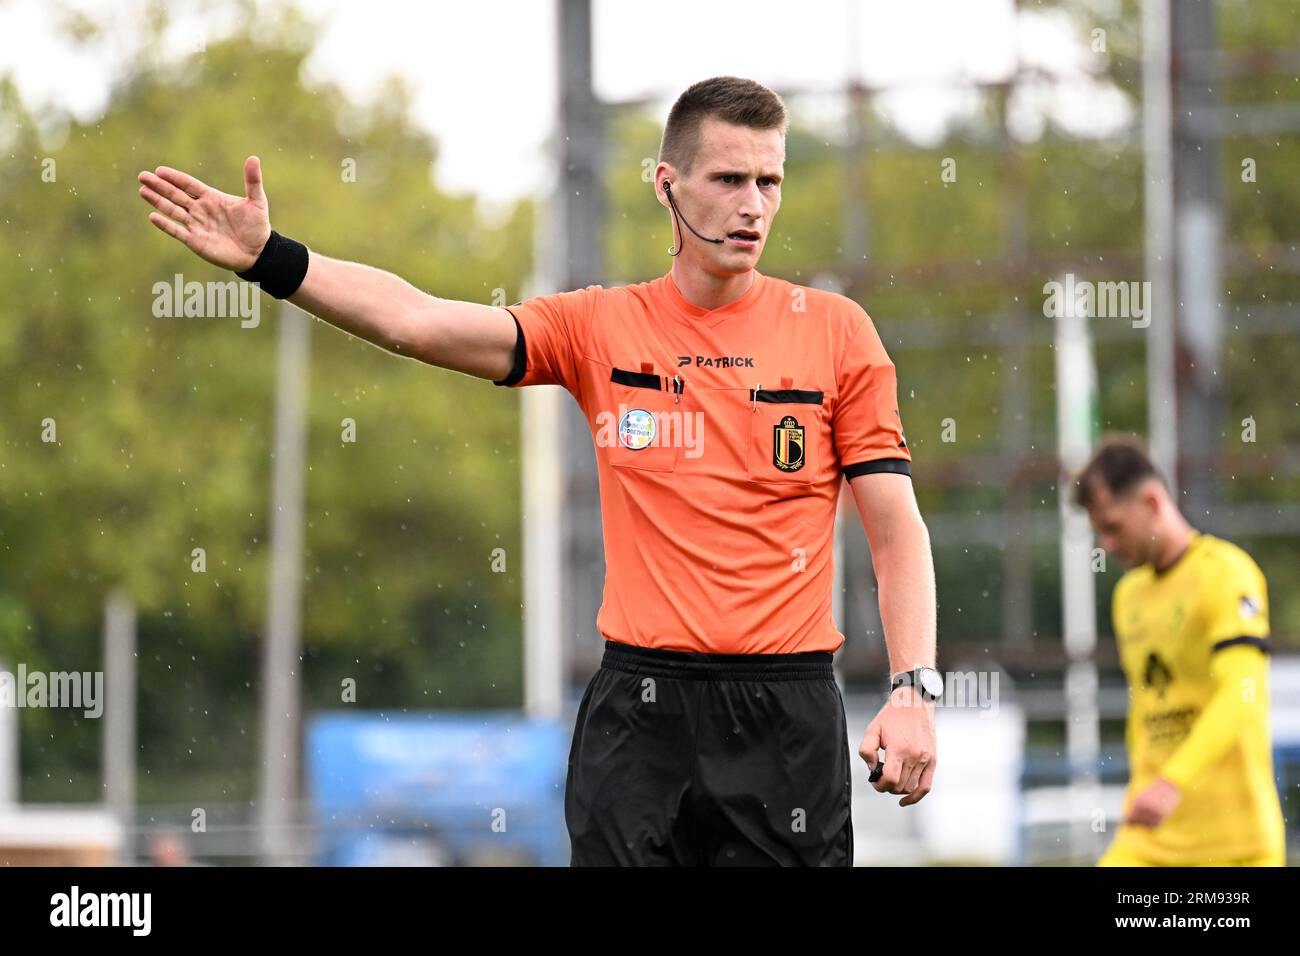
x: 484, y: 72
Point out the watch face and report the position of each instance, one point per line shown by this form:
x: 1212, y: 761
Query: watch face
x: 931, y: 683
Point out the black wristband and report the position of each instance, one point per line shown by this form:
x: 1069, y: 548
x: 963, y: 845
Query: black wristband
x: 280, y: 268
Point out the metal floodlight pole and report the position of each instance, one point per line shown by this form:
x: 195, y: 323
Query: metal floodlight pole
x: 281, y: 647
x: 117, y: 741
x: 1158, y: 216
x: 8, y: 746
x: 1076, y: 402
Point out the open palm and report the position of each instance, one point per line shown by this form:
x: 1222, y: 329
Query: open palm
x: 228, y: 231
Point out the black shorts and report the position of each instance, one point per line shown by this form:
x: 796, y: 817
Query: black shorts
x: 687, y: 759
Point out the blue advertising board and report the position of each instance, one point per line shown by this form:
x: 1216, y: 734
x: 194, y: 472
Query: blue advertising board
x: 438, y: 788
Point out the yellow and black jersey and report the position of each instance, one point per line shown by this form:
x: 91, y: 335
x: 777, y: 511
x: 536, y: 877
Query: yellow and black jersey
x: 1193, y: 642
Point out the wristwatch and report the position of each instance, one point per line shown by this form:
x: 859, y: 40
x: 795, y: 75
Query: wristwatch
x: 927, y: 680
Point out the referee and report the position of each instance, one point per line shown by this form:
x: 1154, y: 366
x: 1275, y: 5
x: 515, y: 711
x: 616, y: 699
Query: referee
x: 726, y: 409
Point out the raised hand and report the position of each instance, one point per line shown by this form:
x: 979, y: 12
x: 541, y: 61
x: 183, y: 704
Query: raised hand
x: 228, y: 231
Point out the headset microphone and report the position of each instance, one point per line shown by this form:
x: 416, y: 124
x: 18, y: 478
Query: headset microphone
x: 668, y: 190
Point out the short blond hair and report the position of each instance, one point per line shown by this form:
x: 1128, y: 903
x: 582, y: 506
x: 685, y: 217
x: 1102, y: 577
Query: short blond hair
x: 731, y: 99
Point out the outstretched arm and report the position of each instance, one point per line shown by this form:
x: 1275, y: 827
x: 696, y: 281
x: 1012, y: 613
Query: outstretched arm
x: 374, y: 305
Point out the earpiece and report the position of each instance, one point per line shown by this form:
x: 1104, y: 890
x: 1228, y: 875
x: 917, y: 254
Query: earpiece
x: 668, y: 191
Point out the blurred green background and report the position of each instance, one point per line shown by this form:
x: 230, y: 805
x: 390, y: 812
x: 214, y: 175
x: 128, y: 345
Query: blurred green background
x: 164, y: 424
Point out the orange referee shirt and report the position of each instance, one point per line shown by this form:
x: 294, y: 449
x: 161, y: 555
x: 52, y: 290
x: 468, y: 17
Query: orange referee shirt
x: 720, y: 436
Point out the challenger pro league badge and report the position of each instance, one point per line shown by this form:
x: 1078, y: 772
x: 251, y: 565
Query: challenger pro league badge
x: 636, y: 429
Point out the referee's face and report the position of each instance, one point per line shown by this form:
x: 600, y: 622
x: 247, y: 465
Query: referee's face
x: 734, y: 187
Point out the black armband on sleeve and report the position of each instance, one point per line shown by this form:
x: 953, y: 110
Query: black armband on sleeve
x: 1260, y: 642
x: 897, y: 466
x: 521, y: 355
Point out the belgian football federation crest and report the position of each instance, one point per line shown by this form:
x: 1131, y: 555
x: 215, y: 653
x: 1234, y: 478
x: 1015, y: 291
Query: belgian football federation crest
x: 788, y: 444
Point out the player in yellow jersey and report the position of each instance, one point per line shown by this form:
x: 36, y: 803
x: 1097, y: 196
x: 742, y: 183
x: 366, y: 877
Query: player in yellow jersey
x: 1191, y: 623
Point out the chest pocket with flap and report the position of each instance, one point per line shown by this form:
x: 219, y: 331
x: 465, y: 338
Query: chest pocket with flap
x: 785, y: 433
x: 648, y: 413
